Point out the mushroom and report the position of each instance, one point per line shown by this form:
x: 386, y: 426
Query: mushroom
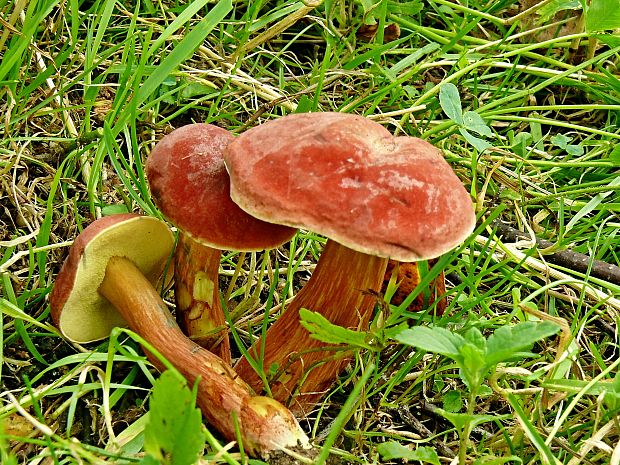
x: 373, y: 195
x: 408, y: 278
x: 107, y: 280
x: 190, y: 185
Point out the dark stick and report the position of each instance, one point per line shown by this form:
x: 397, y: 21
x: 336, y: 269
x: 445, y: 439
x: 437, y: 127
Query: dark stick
x: 567, y: 258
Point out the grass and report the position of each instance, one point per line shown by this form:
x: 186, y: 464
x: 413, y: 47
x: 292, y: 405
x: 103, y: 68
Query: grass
x: 88, y: 87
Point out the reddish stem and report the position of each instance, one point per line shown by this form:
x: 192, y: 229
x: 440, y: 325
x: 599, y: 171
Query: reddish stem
x: 338, y: 290
x: 199, y: 310
x: 264, y: 425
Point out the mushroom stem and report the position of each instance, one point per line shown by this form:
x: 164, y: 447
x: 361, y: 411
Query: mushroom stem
x: 262, y: 424
x: 338, y: 290
x: 199, y: 310
x: 408, y: 278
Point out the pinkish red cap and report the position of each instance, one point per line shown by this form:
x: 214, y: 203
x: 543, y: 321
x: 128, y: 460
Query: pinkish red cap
x: 191, y: 187
x: 349, y: 179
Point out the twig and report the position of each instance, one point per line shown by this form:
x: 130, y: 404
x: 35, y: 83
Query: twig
x: 567, y: 258
x: 412, y: 421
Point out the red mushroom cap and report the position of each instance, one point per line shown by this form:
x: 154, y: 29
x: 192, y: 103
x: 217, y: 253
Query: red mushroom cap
x: 191, y: 187
x: 78, y: 310
x: 349, y: 179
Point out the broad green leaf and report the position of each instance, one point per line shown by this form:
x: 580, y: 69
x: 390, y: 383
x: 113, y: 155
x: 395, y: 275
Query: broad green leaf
x: 508, y: 341
x: 436, y: 340
x: 410, y: 8
x: 459, y: 420
x: 614, y: 156
x: 474, y: 336
x: 603, y: 15
x: 480, y: 144
x: 450, y: 102
x: 472, y: 364
x: 520, y: 143
x: 550, y: 9
x: 452, y: 401
x: 173, y: 434
x: 612, y: 396
x: 108, y: 210
x: 608, y: 39
x: 560, y: 140
x: 393, y: 450
x: 574, y: 150
x: 322, y: 329
x: 474, y: 122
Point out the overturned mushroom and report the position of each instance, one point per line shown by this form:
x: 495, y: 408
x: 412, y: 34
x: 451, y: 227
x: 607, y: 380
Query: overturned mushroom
x: 373, y: 195
x: 107, y: 280
x: 190, y: 186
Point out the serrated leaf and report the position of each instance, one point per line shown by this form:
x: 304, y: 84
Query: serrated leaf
x: 393, y: 450
x: 436, y: 340
x: 474, y: 122
x: 603, y: 15
x: 173, y: 434
x: 480, y: 144
x: 450, y: 102
x: 510, y: 341
x: 474, y: 336
x: 472, y: 364
x: 322, y: 329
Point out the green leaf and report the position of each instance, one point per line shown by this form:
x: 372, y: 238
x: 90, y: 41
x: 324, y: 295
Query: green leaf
x: 474, y: 122
x: 322, y: 329
x: 612, y: 396
x: 574, y: 150
x: 510, y: 341
x: 603, y: 15
x: 453, y: 401
x: 435, y: 340
x: 450, y: 102
x: 480, y: 144
x: 173, y: 434
x: 608, y: 39
x: 472, y: 364
x: 520, y: 143
x: 108, y: 210
x: 474, y: 336
x: 560, y: 140
x: 614, y: 156
x: 410, y: 8
x: 393, y: 450
x: 459, y: 420
x: 550, y: 9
